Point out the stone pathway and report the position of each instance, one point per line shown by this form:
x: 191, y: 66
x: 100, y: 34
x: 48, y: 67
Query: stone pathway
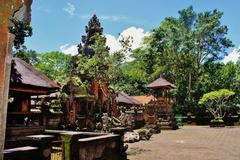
x: 189, y: 143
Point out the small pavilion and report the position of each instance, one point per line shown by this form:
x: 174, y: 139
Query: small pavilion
x: 132, y: 108
x: 25, y: 82
x: 161, y: 104
x: 125, y: 99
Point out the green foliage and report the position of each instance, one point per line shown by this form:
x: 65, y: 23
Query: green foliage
x: 216, y: 96
x: 186, y: 50
x: 132, y: 77
x: 218, y: 75
x: 55, y: 65
x: 183, y: 44
x: 179, y: 49
x: 101, y: 66
x: 218, y: 120
x: 215, y: 102
x: 28, y: 56
x: 75, y: 87
x: 94, y: 62
x: 96, y: 66
x: 93, y: 28
x: 21, y: 30
x: 237, y: 83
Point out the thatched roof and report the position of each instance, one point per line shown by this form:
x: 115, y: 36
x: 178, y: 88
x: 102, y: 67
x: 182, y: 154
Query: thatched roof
x: 123, y: 98
x: 161, y: 83
x: 24, y: 74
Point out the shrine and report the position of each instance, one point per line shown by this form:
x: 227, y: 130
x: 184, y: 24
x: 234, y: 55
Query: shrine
x: 159, y: 109
x: 25, y: 82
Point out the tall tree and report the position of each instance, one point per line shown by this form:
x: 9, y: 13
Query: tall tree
x: 183, y: 44
x: 93, y: 28
x: 55, y: 65
x: 215, y: 102
x: 101, y: 66
x: 20, y: 29
x: 29, y: 56
x: 94, y: 62
x: 133, y: 75
x: 84, y: 50
x: 96, y: 66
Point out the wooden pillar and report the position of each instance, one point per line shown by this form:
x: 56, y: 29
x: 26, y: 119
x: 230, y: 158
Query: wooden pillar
x: 8, y: 9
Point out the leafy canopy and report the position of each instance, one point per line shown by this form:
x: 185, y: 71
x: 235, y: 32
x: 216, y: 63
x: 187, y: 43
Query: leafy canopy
x: 179, y: 48
x: 219, y: 96
x: 93, y: 28
x: 55, y: 65
x: 101, y: 66
x: 21, y: 30
x: 215, y: 102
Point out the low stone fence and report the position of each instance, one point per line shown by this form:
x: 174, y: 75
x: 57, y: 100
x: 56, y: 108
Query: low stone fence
x: 194, y: 120
x: 21, y: 153
x: 33, y: 147
x: 68, y: 145
x: 90, y: 145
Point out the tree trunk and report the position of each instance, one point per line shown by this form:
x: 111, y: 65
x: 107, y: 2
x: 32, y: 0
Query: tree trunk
x: 189, y: 86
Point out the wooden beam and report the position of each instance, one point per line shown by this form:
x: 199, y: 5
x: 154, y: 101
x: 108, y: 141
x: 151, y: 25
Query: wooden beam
x: 29, y: 90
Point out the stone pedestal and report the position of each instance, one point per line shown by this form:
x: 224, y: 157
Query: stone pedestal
x: 122, y: 149
x: 67, y: 139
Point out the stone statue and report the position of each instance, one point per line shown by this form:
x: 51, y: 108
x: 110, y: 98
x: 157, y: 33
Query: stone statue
x: 106, y: 122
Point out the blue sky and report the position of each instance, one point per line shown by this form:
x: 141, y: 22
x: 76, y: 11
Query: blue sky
x: 61, y: 23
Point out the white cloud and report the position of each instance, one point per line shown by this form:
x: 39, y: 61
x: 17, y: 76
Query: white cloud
x: 113, y: 43
x: 112, y: 18
x: 69, y: 49
x: 233, y: 56
x: 137, y: 35
x: 70, y: 9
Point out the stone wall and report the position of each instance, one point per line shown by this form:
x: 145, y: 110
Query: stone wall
x: 19, y: 9
x: 103, y: 147
x: 90, y: 145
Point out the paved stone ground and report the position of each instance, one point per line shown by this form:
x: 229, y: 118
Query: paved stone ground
x: 189, y: 143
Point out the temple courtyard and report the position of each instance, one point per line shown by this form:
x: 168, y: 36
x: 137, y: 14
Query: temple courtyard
x: 189, y: 143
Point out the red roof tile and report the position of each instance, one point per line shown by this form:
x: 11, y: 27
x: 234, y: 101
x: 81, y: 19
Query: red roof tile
x: 143, y: 99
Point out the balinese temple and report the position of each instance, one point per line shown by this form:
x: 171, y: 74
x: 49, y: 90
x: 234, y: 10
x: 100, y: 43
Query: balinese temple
x: 101, y: 92
x: 25, y: 82
x: 161, y: 105
x: 84, y: 104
